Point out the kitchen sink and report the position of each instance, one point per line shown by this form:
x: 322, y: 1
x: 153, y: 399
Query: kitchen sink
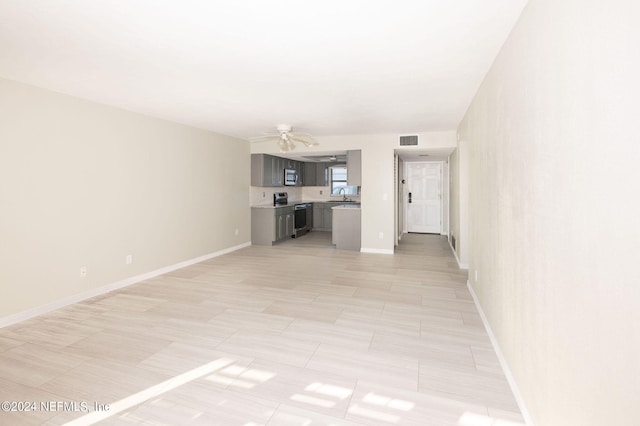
x: 343, y: 202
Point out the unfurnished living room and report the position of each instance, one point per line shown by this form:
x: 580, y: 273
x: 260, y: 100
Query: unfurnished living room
x: 330, y: 213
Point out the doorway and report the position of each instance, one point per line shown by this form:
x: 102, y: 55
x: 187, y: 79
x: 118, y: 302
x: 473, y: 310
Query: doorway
x: 423, y: 197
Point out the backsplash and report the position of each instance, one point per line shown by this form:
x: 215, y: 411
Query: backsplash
x: 264, y: 195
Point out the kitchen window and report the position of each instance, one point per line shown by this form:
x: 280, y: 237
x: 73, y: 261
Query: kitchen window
x: 338, y: 181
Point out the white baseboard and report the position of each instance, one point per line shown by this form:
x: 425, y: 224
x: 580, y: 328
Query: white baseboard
x: 503, y: 363
x: 34, y: 312
x: 376, y: 251
x: 460, y: 264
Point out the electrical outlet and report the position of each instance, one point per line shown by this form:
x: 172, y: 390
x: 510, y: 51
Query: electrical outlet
x: 83, y: 272
x: 264, y: 194
x: 475, y: 274
x: 237, y: 232
x: 380, y: 235
x: 129, y: 259
x: 321, y: 192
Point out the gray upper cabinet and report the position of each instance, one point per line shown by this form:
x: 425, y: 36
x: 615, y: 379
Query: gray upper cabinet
x: 322, y: 173
x: 354, y: 168
x: 299, y: 167
x: 261, y: 170
x: 310, y: 177
x: 268, y: 170
x: 277, y: 170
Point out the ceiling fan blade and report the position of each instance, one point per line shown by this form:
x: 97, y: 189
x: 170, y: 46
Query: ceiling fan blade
x: 265, y: 138
x: 307, y: 141
x: 285, y: 138
x: 300, y: 135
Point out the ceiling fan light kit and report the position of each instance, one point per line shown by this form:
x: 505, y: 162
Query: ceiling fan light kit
x: 286, y: 138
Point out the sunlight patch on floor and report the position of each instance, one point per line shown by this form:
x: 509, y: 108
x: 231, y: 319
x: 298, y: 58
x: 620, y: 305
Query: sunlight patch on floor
x: 241, y: 377
x: 151, y: 392
x: 320, y: 402
x: 373, y: 414
x: 325, y: 390
x: 383, y: 401
x: 380, y: 402
x: 329, y: 390
x: 475, y: 419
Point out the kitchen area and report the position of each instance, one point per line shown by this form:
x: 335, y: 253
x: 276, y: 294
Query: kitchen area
x: 291, y: 197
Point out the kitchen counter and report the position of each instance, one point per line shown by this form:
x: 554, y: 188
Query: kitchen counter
x: 347, y: 206
x: 271, y: 206
x: 293, y: 203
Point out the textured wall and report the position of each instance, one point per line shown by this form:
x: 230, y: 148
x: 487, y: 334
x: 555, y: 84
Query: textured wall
x: 554, y: 207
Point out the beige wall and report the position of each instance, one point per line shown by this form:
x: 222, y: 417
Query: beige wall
x: 554, y: 207
x: 459, y: 202
x: 400, y: 199
x: 83, y: 184
x: 454, y: 201
x: 377, y: 195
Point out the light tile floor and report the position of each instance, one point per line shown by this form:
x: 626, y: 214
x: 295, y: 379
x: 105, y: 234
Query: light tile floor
x: 295, y: 334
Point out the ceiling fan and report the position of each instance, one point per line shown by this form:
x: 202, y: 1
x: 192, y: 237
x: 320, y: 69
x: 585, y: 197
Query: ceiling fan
x: 286, y: 138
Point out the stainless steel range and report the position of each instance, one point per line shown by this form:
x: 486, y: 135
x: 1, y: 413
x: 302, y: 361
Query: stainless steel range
x: 280, y: 199
x: 302, y: 214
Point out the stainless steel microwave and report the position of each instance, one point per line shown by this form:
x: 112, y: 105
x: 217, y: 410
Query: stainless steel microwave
x: 290, y: 177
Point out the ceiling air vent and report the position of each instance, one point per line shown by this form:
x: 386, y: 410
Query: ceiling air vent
x: 408, y: 140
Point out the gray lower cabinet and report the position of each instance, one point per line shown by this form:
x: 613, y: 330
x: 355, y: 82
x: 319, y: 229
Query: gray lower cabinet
x: 284, y: 223
x: 318, y: 223
x: 327, y: 216
x: 322, y: 216
x: 269, y: 225
x: 309, y: 217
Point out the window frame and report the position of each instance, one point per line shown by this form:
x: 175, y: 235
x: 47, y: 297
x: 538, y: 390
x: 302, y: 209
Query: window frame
x: 349, y: 191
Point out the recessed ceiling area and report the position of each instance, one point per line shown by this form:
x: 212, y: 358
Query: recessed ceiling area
x: 326, y: 158
x: 241, y: 67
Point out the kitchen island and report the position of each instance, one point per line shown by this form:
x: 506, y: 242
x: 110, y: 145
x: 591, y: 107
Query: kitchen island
x: 346, y: 227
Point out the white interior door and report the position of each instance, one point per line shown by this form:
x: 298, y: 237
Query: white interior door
x: 424, y: 197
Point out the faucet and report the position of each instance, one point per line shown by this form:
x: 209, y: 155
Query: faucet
x: 344, y: 195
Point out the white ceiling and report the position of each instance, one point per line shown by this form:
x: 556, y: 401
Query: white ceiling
x: 239, y: 67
